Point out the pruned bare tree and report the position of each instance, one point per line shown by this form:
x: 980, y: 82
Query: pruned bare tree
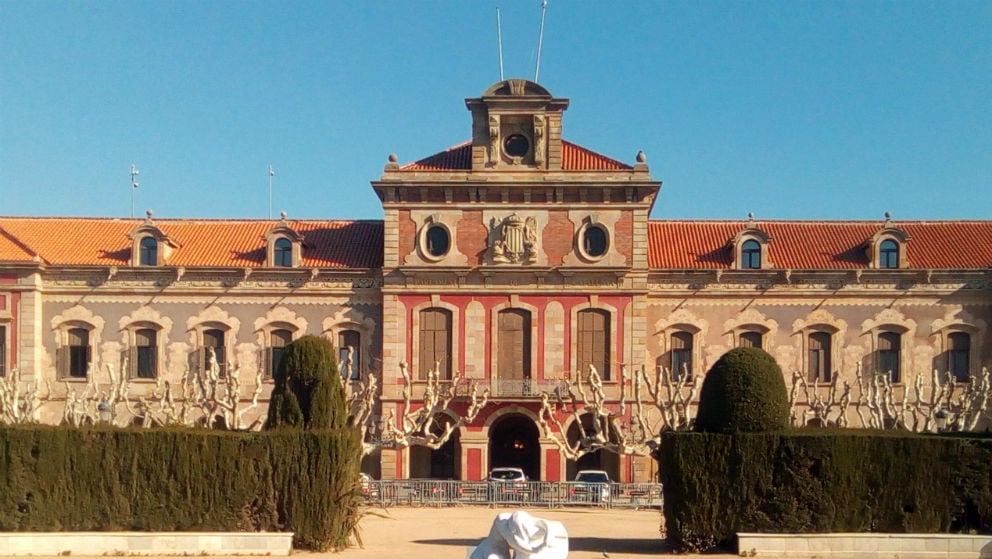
x: 631, y: 423
x: 428, y: 421
x: 920, y: 406
x: 19, y: 400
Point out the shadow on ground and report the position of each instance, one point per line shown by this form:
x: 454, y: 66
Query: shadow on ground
x: 632, y: 546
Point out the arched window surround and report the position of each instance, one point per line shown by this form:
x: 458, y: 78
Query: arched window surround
x: 888, y: 234
x: 163, y: 249
x: 745, y: 241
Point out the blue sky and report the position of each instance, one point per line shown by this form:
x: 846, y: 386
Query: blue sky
x: 788, y: 109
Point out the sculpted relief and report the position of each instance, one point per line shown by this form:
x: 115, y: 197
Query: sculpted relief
x: 513, y: 240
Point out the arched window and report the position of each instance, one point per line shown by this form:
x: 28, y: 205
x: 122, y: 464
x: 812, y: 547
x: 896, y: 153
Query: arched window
x: 819, y: 357
x: 681, y: 355
x: 144, y: 362
x: 148, y: 253
x: 435, y: 342
x: 282, y: 255
x: 751, y: 255
x: 889, y: 354
x: 888, y: 254
x: 959, y: 356
x: 594, y: 341
x: 350, y: 339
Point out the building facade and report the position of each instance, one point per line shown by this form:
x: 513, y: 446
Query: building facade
x: 517, y: 260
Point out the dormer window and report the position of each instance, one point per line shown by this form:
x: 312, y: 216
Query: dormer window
x: 150, y: 246
x: 750, y: 248
x: 282, y: 256
x: 751, y: 255
x: 148, y: 252
x: 283, y: 246
x: 887, y: 248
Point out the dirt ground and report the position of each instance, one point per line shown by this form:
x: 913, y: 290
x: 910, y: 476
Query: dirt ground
x: 449, y: 532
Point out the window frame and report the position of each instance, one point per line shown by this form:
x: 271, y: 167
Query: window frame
x: 135, y: 371
x: 356, y: 355
x: 885, y: 356
x: 445, y: 335
x: 3, y: 349
x: 824, y: 358
x: 888, y: 254
x: 597, y: 342
x: 960, y: 353
x: 751, y: 255
x: 148, y: 249
x: 680, y: 356
x: 282, y: 253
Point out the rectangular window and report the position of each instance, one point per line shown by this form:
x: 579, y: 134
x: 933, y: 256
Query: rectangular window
x: 144, y: 362
x: 593, y: 347
x: 750, y: 339
x: 435, y: 342
x: 3, y: 351
x: 213, y: 339
x: 72, y: 359
x: 350, y: 369
x: 819, y: 357
x: 513, y: 343
x: 681, y: 355
x: 888, y: 355
x: 959, y: 356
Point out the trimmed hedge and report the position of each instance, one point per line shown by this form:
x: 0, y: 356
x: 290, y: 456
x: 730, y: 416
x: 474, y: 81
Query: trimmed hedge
x: 743, y: 392
x: 828, y: 481
x: 67, y: 479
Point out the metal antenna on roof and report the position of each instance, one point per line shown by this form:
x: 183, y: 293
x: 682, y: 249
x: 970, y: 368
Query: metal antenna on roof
x: 540, y: 39
x: 271, y: 174
x: 134, y: 186
x: 499, y: 43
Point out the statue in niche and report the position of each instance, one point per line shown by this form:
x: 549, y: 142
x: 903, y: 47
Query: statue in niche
x: 538, y: 139
x: 493, y: 139
x: 514, y: 240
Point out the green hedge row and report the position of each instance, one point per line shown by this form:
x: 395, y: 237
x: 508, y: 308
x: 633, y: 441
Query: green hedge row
x: 826, y: 481
x: 66, y: 479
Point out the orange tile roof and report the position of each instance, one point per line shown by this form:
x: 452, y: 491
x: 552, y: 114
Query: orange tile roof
x: 815, y: 245
x: 573, y: 158
x: 222, y: 242
x: 13, y: 251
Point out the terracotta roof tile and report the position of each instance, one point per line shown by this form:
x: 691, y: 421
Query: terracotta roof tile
x: 573, y: 158
x: 11, y: 250
x: 819, y: 244
x: 229, y: 242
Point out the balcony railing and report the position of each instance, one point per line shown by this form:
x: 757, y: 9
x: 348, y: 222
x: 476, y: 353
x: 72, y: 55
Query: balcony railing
x: 523, y: 388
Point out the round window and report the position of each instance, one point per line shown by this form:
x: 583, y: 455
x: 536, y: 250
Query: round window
x: 438, y: 241
x: 594, y: 241
x: 516, y: 145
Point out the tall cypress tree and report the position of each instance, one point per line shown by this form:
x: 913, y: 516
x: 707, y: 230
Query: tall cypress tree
x: 307, y: 392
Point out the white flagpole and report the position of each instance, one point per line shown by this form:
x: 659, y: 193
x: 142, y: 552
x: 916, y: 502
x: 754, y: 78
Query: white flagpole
x: 271, y: 174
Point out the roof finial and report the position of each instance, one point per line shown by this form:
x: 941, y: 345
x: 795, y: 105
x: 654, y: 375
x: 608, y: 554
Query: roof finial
x: 641, y: 158
x: 750, y: 219
x: 282, y: 215
x: 148, y: 217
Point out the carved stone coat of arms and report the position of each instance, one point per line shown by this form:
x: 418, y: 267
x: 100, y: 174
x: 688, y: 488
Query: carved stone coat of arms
x: 513, y: 240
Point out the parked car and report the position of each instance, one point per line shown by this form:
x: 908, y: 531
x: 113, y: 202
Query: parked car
x: 592, y: 485
x: 369, y: 487
x: 507, y: 484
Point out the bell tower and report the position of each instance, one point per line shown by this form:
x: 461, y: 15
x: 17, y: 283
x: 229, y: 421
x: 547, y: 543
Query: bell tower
x: 516, y: 125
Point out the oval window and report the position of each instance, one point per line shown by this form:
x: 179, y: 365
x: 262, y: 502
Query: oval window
x: 594, y: 241
x: 516, y: 145
x: 438, y: 241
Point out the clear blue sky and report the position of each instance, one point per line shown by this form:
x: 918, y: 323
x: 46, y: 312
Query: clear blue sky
x: 788, y: 109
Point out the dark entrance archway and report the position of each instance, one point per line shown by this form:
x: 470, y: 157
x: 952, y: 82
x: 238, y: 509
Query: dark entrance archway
x: 598, y: 460
x: 443, y: 463
x: 513, y: 441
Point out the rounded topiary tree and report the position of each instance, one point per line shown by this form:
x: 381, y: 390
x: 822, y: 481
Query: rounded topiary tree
x: 744, y: 392
x: 307, y: 392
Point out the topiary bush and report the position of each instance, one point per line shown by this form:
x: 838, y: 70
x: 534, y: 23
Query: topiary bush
x: 307, y: 392
x: 744, y: 392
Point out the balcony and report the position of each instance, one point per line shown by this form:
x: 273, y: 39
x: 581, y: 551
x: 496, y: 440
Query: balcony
x: 522, y: 388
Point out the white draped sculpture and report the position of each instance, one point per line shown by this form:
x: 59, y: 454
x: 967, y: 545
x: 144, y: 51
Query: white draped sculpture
x: 528, y: 537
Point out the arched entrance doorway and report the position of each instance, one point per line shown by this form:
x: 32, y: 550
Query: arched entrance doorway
x: 598, y: 460
x: 513, y: 441
x: 443, y: 463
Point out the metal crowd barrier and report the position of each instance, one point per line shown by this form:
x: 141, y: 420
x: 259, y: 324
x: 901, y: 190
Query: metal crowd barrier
x: 444, y: 493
